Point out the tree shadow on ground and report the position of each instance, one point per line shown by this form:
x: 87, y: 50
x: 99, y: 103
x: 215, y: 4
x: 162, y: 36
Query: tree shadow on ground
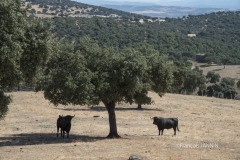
x: 216, y: 70
x: 44, y: 138
x: 102, y: 108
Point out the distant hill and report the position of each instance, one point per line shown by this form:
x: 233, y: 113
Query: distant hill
x: 235, y: 4
x: 68, y: 8
x: 166, y: 11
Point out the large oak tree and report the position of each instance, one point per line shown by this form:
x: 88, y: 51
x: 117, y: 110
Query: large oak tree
x: 87, y: 74
x: 24, y: 48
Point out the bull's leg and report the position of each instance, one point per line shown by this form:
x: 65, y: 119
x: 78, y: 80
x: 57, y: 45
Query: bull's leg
x: 162, y: 131
x: 62, y: 132
x: 159, y: 132
x: 57, y: 131
x: 174, y: 130
x: 67, y: 134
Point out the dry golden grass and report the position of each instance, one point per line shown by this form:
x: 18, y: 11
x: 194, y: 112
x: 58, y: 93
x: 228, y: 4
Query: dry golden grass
x: 232, y: 71
x: 29, y: 130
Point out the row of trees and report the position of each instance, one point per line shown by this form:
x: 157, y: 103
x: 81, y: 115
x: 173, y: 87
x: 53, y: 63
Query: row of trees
x: 223, y: 89
x: 188, y: 81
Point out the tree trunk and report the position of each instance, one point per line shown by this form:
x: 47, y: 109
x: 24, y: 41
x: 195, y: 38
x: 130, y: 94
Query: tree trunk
x: 139, y: 106
x: 112, y: 120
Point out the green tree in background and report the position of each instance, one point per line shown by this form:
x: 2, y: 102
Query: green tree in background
x: 89, y: 74
x: 224, y: 60
x: 221, y: 90
x: 180, y: 74
x: 238, y: 84
x: 194, y: 80
x: 24, y: 48
x: 228, y: 81
x: 212, y: 77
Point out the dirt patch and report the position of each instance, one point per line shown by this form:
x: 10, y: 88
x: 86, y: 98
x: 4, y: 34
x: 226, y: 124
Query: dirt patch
x: 209, y: 129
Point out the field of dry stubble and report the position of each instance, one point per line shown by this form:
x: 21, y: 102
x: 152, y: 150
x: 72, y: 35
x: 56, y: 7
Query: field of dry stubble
x: 209, y: 129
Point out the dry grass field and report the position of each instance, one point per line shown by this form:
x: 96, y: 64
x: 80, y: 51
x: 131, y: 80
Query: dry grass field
x: 232, y: 71
x: 209, y: 129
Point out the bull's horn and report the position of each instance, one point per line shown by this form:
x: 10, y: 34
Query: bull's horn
x: 151, y: 117
x: 73, y: 116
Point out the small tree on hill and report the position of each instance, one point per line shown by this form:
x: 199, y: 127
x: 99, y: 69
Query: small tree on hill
x: 212, y: 77
x: 221, y: 90
x: 179, y: 76
x: 194, y: 80
x: 224, y: 60
x: 228, y: 80
x: 88, y: 74
x: 238, y: 84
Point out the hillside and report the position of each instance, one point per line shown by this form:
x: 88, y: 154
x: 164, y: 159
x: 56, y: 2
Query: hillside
x: 215, y: 34
x: 68, y: 8
x: 209, y: 129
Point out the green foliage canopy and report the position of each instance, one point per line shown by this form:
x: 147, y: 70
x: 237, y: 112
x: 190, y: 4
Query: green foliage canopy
x: 228, y: 81
x: 238, y: 84
x: 24, y: 48
x: 212, y: 77
x: 194, y: 80
x: 221, y: 90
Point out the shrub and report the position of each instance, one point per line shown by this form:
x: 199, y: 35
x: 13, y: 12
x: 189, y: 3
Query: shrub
x: 238, y: 83
x: 228, y: 80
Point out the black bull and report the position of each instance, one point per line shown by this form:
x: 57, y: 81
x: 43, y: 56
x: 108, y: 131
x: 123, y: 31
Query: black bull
x: 64, y: 122
x: 166, y: 123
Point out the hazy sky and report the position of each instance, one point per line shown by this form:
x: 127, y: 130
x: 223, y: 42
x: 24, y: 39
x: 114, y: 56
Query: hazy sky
x: 187, y: 3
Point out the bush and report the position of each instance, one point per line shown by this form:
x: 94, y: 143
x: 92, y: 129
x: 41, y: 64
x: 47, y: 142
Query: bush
x: 212, y: 77
x: 221, y: 90
x: 44, y: 10
x: 238, y: 83
x: 228, y: 80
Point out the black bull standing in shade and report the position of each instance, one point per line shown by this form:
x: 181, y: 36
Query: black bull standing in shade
x: 166, y: 123
x: 64, y: 122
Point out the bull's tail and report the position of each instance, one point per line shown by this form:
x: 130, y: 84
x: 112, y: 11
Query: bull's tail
x: 178, y: 129
x: 176, y: 120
